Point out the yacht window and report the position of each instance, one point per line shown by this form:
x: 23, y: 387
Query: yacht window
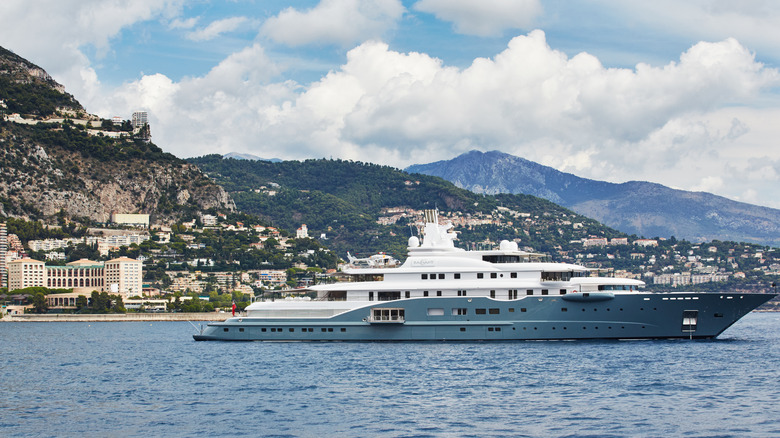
x: 388, y: 296
x: 433, y: 277
x: 492, y: 294
x: 424, y: 276
x: 226, y: 329
x: 387, y: 314
x: 459, y: 311
x: 529, y: 292
x: 292, y: 329
x: 556, y: 276
x: 563, y: 291
x: 438, y: 293
x: 480, y: 275
x: 441, y: 276
x: 461, y: 293
x: 370, y: 296
x: 457, y: 276
x: 463, y: 329
x: 407, y: 294
x: 425, y: 293
x: 493, y: 275
x: 435, y: 312
x: 343, y: 329
x: 513, y: 275
x: 501, y: 258
x: 511, y: 310
x: 263, y: 330
x: 323, y: 329
x: 523, y: 309
x: 614, y: 287
x: 480, y: 311
x: 544, y: 291
x: 494, y: 311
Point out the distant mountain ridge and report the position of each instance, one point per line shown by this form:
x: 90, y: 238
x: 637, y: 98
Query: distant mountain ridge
x: 635, y: 207
x: 240, y: 156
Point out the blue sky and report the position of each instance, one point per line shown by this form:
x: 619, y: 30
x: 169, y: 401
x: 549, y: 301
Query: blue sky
x: 680, y: 93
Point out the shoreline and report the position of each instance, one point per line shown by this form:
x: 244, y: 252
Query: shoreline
x: 118, y: 317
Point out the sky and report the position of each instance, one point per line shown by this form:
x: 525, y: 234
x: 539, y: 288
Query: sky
x: 685, y: 94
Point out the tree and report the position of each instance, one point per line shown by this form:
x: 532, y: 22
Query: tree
x: 119, y: 305
x: 81, y: 303
x: 40, y: 305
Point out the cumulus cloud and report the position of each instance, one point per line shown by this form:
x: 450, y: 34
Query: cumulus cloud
x: 217, y: 28
x: 754, y: 23
x: 384, y: 106
x: 342, y: 22
x: 483, y: 18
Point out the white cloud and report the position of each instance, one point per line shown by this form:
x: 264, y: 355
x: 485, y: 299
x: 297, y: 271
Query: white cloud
x: 483, y: 18
x: 754, y: 22
x: 179, y: 23
x: 705, y: 121
x: 709, y: 184
x: 676, y: 124
x: 56, y: 31
x: 217, y: 28
x: 342, y: 22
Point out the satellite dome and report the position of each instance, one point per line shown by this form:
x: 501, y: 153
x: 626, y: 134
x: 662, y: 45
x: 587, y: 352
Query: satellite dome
x: 506, y: 245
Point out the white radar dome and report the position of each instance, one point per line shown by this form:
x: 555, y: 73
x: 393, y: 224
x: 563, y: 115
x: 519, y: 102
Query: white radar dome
x: 414, y: 242
x: 506, y: 245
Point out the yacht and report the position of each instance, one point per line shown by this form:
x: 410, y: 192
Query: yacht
x: 444, y: 293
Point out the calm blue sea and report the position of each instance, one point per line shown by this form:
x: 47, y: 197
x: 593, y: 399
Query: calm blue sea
x: 152, y: 379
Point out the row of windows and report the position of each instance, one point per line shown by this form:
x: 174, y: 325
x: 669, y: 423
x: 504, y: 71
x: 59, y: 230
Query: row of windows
x: 461, y: 311
x: 546, y: 276
x: 457, y: 276
x: 490, y: 329
x: 291, y: 329
x: 512, y: 294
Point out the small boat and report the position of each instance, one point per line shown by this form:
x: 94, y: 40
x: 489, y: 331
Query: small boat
x: 444, y: 293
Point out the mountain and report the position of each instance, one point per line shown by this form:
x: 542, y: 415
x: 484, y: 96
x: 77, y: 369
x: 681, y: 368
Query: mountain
x: 240, y: 156
x: 345, y: 200
x: 58, y: 160
x: 634, y: 207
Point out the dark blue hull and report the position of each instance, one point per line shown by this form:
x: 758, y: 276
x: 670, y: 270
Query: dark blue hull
x: 580, y: 316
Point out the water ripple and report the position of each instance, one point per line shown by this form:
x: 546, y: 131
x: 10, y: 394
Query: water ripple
x: 135, y: 379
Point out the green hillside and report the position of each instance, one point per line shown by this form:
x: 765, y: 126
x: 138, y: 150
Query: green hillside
x: 344, y: 200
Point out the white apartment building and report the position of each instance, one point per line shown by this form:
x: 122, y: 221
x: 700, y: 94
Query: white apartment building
x: 3, y: 250
x: 118, y: 276
x: 141, y: 220
x: 26, y: 272
x: 124, y: 276
x: 140, y: 118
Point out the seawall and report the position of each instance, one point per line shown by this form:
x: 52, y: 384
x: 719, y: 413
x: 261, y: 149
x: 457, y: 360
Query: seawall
x: 210, y: 316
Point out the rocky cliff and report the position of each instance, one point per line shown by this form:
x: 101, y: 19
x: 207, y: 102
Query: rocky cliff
x: 53, y: 163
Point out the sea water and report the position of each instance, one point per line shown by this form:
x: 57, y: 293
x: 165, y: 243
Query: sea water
x: 152, y: 379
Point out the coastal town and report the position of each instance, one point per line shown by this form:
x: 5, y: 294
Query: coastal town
x: 158, y: 268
